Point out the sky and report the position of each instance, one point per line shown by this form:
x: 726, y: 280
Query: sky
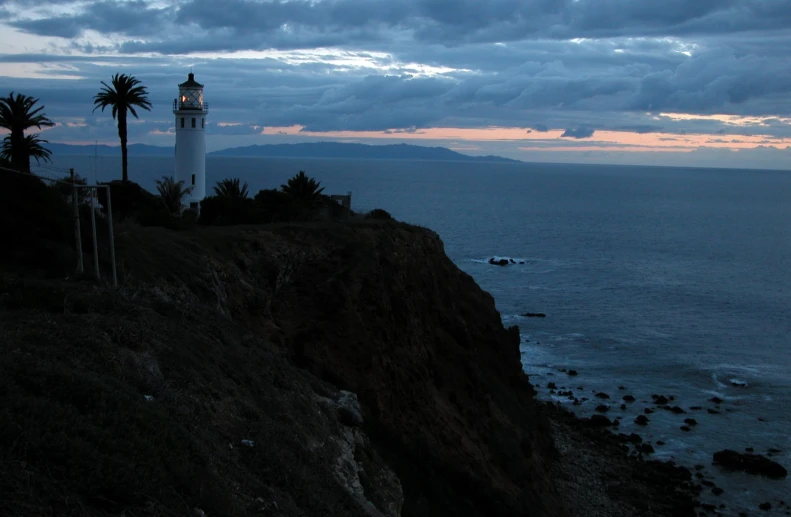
x: 670, y: 82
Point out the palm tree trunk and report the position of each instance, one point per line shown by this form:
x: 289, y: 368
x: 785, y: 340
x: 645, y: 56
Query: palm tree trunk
x: 19, y: 159
x: 122, y: 135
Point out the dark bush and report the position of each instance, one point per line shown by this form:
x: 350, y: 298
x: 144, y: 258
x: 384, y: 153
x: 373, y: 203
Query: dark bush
x: 378, y: 213
x: 130, y: 200
x: 35, y: 223
x: 276, y: 206
x: 224, y: 210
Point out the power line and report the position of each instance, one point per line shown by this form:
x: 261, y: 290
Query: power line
x: 37, y: 174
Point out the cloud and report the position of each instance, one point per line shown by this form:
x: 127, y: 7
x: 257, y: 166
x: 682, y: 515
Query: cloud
x: 403, y: 67
x: 578, y: 132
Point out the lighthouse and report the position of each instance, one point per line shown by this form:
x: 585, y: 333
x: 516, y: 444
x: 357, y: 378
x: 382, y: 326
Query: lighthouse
x: 190, y: 112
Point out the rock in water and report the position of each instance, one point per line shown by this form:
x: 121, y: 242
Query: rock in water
x: 750, y: 463
x: 534, y: 315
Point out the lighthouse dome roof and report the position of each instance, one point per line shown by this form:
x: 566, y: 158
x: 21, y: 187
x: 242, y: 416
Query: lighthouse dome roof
x: 191, y: 82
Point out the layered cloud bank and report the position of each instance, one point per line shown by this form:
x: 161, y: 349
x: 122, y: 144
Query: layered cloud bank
x: 702, y: 83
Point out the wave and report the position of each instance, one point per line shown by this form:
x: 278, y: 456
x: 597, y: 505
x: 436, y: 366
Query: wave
x: 511, y: 260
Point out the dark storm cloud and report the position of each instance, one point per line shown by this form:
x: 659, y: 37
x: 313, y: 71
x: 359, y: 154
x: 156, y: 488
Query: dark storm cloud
x: 295, y: 23
x: 130, y: 18
x: 578, y: 132
x: 544, y: 64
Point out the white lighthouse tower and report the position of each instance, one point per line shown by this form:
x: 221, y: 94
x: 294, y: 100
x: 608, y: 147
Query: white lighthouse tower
x: 191, y: 111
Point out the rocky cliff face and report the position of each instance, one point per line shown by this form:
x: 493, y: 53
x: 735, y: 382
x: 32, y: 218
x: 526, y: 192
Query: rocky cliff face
x: 371, y: 375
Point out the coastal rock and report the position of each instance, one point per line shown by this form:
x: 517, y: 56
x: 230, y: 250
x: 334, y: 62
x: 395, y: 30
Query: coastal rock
x: 716, y: 400
x: 690, y: 421
x: 660, y: 400
x: 500, y: 262
x: 645, y: 448
x: 599, y: 421
x: 712, y: 411
x: 676, y: 410
x: 628, y: 398
x: 534, y: 315
x: 602, y: 408
x: 572, y: 372
x: 750, y: 463
x: 765, y: 506
x: 349, y: 410
x: 641, y: 420
x: 648, y: 411
x: 602, y: 395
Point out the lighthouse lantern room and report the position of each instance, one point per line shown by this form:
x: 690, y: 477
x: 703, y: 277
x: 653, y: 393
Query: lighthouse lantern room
x: 190, y: 112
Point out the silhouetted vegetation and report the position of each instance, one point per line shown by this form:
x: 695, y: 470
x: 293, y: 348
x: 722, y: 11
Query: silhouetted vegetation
x: 300, y: 199
x: 171, y: 193
x: 378, y: 213
x: 124, y: 93
x: 18, y: 113
x: 231, y: 187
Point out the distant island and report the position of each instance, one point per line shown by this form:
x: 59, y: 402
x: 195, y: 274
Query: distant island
x: 302, y: 150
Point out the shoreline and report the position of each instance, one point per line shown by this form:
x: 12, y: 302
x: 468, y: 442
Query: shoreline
x: 599, y: 478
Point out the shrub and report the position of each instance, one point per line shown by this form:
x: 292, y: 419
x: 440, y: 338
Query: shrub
x: 378, y: 213
x: 224, y: 210
x: 129, y: 200
x: 35, y: 222
x: 276, y: 206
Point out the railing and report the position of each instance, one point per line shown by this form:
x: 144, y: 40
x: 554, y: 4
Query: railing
x: 178, y: 106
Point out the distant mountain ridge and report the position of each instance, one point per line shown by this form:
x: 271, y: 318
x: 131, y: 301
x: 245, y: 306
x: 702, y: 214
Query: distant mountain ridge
x: 301, y: 150
x: 347, y: 150
x: 108, y: 150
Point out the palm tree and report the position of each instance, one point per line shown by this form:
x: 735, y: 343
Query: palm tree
x: 30, y: 146
x: 172, y: 194
x: 18, y: 113
x: 125, y: 93
x: 231, y: 187
x: 303, y: 188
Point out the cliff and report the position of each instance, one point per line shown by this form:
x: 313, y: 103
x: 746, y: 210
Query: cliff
x: 312, y: 369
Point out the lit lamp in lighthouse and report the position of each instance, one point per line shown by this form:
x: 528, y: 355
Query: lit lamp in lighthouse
x: 190, y: 112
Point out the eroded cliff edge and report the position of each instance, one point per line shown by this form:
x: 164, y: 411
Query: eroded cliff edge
x: 135, y: 401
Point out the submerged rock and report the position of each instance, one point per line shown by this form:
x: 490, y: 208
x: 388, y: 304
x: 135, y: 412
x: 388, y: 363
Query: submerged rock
x: 534, y: 315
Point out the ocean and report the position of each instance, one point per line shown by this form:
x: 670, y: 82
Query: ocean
x: 672, y: 281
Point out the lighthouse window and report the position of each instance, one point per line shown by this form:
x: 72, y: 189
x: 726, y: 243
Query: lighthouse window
x: 202, y: 123
x: 193, y: 122
x: 182, y: 121
x: 193, y: 179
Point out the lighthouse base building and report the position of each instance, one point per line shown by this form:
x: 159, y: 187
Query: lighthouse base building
x: 191, y: 112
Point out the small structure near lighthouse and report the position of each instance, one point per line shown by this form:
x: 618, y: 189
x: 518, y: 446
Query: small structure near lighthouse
x: 190, y: 111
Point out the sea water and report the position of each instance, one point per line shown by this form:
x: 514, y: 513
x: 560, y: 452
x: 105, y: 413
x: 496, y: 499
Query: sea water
x: 667, y: 281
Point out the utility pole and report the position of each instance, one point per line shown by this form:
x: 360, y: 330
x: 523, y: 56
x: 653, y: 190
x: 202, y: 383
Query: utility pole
x: 77, y: 233
x: 93, y: 230
x: 112, y: 236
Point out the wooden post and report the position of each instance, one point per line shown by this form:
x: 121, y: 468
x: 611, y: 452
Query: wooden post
x: 112, y: 236
x: 77, y: 232
x: 93, y: 231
